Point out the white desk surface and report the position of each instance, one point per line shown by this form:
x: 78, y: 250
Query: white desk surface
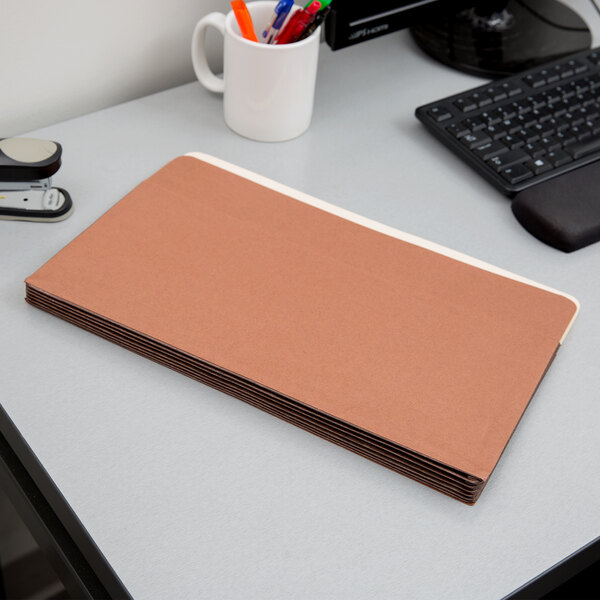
x: 192, y: 494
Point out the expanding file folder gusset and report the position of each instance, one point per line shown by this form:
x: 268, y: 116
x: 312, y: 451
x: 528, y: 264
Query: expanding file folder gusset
x: 418, y: 358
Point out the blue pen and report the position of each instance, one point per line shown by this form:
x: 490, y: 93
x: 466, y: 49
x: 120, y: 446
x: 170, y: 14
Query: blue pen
x: 281, y: 12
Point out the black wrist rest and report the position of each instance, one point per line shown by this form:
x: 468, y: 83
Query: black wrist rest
x: 563, y: 212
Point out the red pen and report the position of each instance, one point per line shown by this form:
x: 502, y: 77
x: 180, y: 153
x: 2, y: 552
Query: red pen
x: 298, y: 23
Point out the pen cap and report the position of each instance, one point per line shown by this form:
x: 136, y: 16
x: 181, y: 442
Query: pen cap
x: 298, y: 23
x: 268, y: 89
x: 282, y: 9
x: 324, y: 4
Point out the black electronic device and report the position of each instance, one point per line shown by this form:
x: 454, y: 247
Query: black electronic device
x: 490, y: 38
x: 528, y: 129
x: 350, y: 23
x: 495, y: 38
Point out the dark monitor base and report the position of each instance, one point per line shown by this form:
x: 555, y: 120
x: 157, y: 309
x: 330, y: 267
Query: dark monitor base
x: 511, y: 36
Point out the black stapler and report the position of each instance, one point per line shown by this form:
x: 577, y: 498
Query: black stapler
x: 26, y: 192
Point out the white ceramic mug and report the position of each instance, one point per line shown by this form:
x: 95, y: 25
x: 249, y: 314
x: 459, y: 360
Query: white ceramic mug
x: 268, y: 90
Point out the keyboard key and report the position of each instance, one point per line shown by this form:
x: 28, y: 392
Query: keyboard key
x: 544, y: 114
x: 495, y: 132
x: 536, y: 132
x: 536, y: 149
x: 550, y: 143
x: 512, y: 88
x: 579, y: 86
x: 539, y: 166
x: 594, y: 80
x: 458, y: 130
x: 557, y: 70
x: 439, y: 114
x: 522, y: 135
x: 588, y: 99
x: 475, y: 124
x: 558, y: 157
x: 566, y: 137
x: 553, y: 124
x: 581, y: 132
x: 510, y: 126
x: 538, y: 100
x: 474, y: 139
x: 576, y: 66
x: 562, y: 124
x: 517, y: 174
x: 593, y: 112
x: 512, y: 157
x: 502, y: 113
x: 465, y: 105
x: 583, y: 112
x: 497, y: 94
x: 489, y: 150
x: 547, y: 129
x: 577, y: 120
x: 527, y: 120
x: 567, y: 71
x: 512, y: 142
x: 521, y: 106
x: 480, y: 98
x: 560, y: 108
x: 585, y: 147
x: 490, y: 118
x: 552, y: 96
x: 534, y: 80
x: 594, y: 58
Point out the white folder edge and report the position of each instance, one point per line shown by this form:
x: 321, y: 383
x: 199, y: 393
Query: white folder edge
x: 376, y: 226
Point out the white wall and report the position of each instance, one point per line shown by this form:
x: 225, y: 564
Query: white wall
x: 63, y: 58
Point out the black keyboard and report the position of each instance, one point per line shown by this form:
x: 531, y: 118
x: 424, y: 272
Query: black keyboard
x: 527, y: 128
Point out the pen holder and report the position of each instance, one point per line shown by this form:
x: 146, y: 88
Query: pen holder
x: 268, y: 89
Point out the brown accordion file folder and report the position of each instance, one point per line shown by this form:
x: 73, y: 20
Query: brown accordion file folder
x: 411, y: 355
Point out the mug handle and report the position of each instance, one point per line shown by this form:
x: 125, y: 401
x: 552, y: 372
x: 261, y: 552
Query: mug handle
x: 206, y: 77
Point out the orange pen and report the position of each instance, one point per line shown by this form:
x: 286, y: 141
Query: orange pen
x: 244, y: 20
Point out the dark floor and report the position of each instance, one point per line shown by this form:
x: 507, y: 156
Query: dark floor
x: 24, y: 570
x: 584, y: 586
